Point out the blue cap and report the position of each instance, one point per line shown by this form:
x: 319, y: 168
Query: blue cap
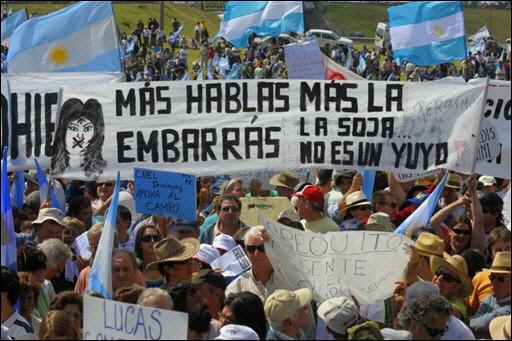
x: 353, y: 224
x: 418, y: 199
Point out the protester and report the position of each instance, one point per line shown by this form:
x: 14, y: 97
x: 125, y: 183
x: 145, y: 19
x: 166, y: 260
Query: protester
x: 418, y: 267
x: 156, y: 298
x: 284, y: 182
x: 245, y: 308
x: 287, y: 312
x: 212, y: 286
x: 57, y: 325
x: 310, y: 208
x: 146, y: 238
x: 27, y: 300
x: 18, y: 327
x: 124, y: 267
x: 339, y: 314
x: 71, y: 303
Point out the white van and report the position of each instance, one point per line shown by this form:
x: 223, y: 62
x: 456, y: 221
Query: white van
x: 382, y: 36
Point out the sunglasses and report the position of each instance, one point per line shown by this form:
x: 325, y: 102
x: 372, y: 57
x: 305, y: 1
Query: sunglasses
x: 500, y: 279
x: 391, y: 204
x: 105, y: 184
x: 363, y: 208
x: 461, y: 231
x: 433, y: 331
x: 446, y: 276
x: 233, y: 209
x: 252, y: 248
x: 151, y: 237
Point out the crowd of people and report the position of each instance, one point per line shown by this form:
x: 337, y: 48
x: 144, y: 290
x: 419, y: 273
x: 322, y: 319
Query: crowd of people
x: 456, y: 286
x: 457, y: 283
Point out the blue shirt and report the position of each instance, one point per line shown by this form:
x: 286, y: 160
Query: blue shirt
x: 488, y: 310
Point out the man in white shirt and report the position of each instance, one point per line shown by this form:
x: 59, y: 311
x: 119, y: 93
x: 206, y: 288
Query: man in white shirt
x: 19, y: 328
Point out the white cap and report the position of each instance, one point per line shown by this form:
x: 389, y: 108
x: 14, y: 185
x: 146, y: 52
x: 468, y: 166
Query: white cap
x: 224, y: 242
x: 487, y: 180
x: 339, y: 314
x: 237, y: 332
x: 207, y: 253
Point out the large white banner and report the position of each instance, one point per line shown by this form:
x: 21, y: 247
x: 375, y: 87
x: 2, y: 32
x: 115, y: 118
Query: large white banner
x: 29, y: 112
x: 113, y: 320
x: 365, y: 264
x: 497, y: 127
x: 208, y: 128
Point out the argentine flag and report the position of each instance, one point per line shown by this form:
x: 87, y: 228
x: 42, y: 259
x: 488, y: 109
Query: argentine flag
x: 100, y: 277
x: 428, y: 33
x: 242, y: 18
x: 79, y: 38
x: 10, y: 23
x: 8, y: 247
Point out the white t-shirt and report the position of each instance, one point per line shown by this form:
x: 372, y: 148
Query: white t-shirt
x: 457, y: 330
x: 19, y: 328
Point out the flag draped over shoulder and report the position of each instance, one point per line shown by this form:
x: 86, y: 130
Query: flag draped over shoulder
x: 8, y: 235
x: 243, y: 18
x: 10, y: 23
x: 100, y: 277
x: 421, y: 217
x: 79, y: 38
x: 428, y: 32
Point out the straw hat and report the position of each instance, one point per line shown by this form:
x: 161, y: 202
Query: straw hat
x: 454, y: 181
x: 284, y: 179
x: 283, y: 304
x: 356, y: 199
x: 501, y: 263
x: 429, y: 244
x: 456, y: 264
x: 173, y: 250
x: 500, y: 328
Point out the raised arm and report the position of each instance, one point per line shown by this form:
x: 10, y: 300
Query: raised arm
x: 477, y: 218
x: 396, y: 188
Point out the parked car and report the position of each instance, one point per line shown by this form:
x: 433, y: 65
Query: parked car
x: 282, y: 39
x: 324, y: 37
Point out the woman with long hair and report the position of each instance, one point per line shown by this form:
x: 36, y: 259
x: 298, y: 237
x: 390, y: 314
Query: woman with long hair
x: 82, y: 129
x: 145, y: 239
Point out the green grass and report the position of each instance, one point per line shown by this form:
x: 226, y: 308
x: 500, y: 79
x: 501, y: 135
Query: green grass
x: 364, y: 18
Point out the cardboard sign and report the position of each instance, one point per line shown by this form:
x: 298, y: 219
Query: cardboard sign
x: 365, y: 264
x: 112, y: 320
x: 165, y: 193
x: 268, y: 206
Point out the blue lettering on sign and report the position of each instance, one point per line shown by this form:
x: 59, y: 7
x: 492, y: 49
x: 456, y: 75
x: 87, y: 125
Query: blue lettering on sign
x: 155, y: 316
x: 141, y: 322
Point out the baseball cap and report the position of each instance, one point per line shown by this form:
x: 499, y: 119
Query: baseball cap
x: 312, y: 193
x: 224, y: 242
x: 369, y: 330
x: 211, y: 277
x: 53, y: 214
x: 237, y: 332
x: 206, y: 253
x: 283, y: 304
x: 487, y: 180
x: 339, y: 314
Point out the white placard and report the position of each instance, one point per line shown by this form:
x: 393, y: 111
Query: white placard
x: 304, y: 61
x: 233, y: 262
x: 112, y: 320
x: 365, y: 264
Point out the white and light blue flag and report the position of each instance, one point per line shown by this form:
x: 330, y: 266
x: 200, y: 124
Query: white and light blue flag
x: 10, y: 23
x: 428, y: 32
x: 78, y: 38
x: 8, y: 246
x: 243, y: 18
x: 100, y: 277
x: 18, y: 189
x: 45, y: 190
x: 362, y: 65
x: 175, y: 35
x: 421, y: 216
x: 368, y: 182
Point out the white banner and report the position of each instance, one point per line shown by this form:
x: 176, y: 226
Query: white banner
x: 112, y: 320
x: 29, y: 112
x: 497, y: 115
x: 247, y: 125
x: 365, y: 264
x: 304, y: 61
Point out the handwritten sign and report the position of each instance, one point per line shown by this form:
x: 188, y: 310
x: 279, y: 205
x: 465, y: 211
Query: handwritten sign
x: 112, y: 320
x: 233, y: 262
x: 165, y: 193
x: 365, y: 264
x: 269, y: 207
x: 304, y: 61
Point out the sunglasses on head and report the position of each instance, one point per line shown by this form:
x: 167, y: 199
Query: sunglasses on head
x: 498, y: 278
x: 461, y: 231
x: 233, y: 209
x: 446, y: 276
x: 151, y: 237
x: 433, y: 331
x: 252, y: 248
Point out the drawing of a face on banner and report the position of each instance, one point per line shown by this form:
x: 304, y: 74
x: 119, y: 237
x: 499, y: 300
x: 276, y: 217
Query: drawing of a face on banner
x: 79, y: 138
